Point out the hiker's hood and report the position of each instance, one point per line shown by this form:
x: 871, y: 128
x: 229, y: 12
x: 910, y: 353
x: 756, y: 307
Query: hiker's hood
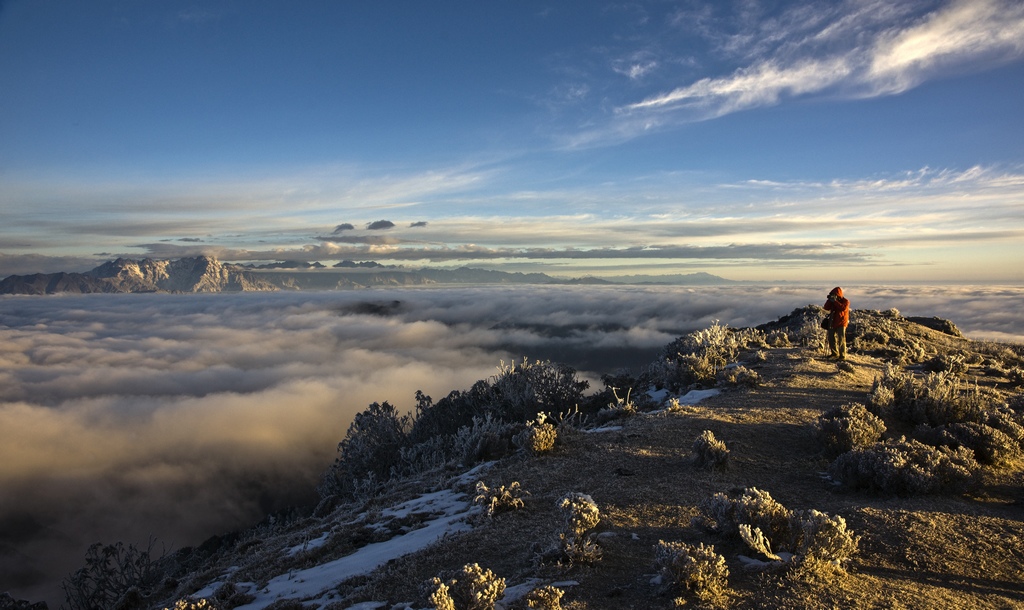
x: 837, y: 291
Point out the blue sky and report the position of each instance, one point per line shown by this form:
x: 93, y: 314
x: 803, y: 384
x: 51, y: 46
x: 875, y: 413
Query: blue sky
x: 824, y: 141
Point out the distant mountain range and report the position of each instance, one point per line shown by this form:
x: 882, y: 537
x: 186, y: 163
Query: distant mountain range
x: 199, y: 274
x: 207, y: 274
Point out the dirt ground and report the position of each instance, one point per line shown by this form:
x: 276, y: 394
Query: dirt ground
x: 941, y: 551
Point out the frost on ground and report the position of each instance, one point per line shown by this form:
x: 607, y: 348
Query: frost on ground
x: 314, y: 584
x: 450, y: 513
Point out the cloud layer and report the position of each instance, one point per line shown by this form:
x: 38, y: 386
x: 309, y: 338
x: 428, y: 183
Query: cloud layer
x: 180, y: 417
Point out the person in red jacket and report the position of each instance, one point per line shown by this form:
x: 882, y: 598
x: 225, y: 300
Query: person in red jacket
x: 839, y: 315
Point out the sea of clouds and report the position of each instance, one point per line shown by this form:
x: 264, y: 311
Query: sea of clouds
x: 177, y: 417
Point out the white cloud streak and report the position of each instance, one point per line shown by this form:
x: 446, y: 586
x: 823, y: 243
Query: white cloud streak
x: 874, y: 59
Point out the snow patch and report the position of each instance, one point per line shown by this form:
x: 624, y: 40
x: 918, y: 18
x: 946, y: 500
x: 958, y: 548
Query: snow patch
x: 313, y: 585
x: 694, y: 396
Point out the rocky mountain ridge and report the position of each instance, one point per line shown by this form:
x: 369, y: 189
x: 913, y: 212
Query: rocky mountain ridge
x: 185, y: 275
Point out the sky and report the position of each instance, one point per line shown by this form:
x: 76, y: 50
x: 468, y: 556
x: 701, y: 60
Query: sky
x: 182, y: 416
x: 839, y: 141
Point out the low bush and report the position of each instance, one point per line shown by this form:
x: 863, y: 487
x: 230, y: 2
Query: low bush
x: 698, y: 569
x: 766, y: 526
x: 486, y: 438
x: 580, y: 515
x: 371, y: 449
x: 989, y: 445
x: 936, y: 400
x: 905, y: 467
x: 500, y: 500
x: 114, y: 576
x: 696, y: 358
x: 739, y: 376
x: 190, y: 604
x: 847, y: 427
x: 545, y: 598
x: 472, y: 588
x: 822, y: 538
x: 951, y: 363
x: 539, y: 436
x: 709, y: 452
x: 468, y: 427
x: 619, y: 407
x: 753, y: 507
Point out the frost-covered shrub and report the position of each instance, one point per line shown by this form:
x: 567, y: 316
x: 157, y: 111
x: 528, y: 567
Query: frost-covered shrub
x: 536, y: 438
x: 580, y: 514
x: 895, y: 386
x: 190, y: 604
x: 905, y: 467
x: 938, y: 399
x: 545, y: 598
x: 757, y: 541
x: 114, y: 575
x: 1015, y: 375
x: 990, y: 445
x: 750, y: 338
x: 753, y: 507
x: 620, y: 407
x: 517, y: 394
x: 1009, y: 422
x: 699, y: 568
x: 488, y: 438
x: 428, y: 455
x: 523, y: 391
x: 778, y: 338
x: 709, y: 452
x: 500, y: 500
x: 371, y: 448
x: 739, y: 376
x: 697, y: 357
x: 843, y: 428
x: 768, y: 527
x: 950, y: 363
x: 472, y: 588
x: 539, y: 436
x: 820, y: 537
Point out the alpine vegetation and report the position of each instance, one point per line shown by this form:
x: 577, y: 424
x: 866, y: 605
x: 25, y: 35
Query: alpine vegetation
x: 547, y: 597
x: 187, y: 604
x: 709, y: 452
x: 696, y: 568
x: 538, y: 437
x: 848, y: 427
x: 114, y: 576
x: 466, y: 427
x: 472, y: 588
x: 500, y: 500
x: 809, y: 539
x: 947, y: 431
x: 696, y: 359
x: 580, y: 515
x: 905, y: 467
